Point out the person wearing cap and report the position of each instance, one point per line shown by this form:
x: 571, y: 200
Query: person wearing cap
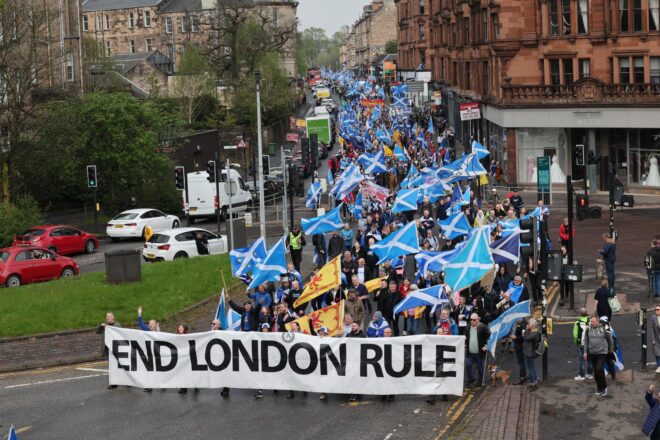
x: 283, y: 290
x: 354, y: 306
x: 261, y: 297
x: 377, y: 326
x: 516, y: 200
x: 249, y: 318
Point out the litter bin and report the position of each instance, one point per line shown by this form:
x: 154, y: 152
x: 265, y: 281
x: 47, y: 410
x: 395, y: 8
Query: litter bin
x: 123, y: 266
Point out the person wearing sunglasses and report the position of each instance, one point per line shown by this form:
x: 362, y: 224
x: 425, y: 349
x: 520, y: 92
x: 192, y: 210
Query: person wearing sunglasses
x: 476, y: 338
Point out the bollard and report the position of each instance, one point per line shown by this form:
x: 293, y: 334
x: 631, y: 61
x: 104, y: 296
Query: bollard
x: 599, y: 269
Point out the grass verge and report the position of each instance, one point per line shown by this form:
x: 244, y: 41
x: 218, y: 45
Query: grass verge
x: 166, y: 288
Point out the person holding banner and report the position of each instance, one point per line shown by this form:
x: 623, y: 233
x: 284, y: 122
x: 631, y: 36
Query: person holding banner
x: 476, y: 338
x: 110, y: 321
x: 216, y: 326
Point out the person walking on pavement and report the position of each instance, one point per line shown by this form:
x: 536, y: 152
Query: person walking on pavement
x: 602, y: 301
x: 654, y: 330
x: 585, y: 369
x: 518, y: 340
x: 531, y: 341
x: 598, y: 344
x: 563, y: 232
x: 110, y: 321
x: 609, y: 257
x: 296, y: 241
x: 654, y: 253
x: 651, y: 426
x: 476, y: 338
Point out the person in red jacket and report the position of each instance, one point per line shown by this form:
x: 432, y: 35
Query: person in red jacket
x: 563, y: 232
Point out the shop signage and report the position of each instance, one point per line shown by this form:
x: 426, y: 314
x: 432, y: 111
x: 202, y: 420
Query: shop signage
x: 469, y: 111
x: 543, y: 174
x: 292, y: 137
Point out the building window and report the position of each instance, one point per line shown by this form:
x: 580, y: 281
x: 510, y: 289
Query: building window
x: 655, y: 70
x: 654, y: 15
x: 638, y: 70
x: 148, y: 44
x: 583, y: 16
x: 466, y: 31
x: 170, y: 51
x: 70, y: 72
x: 555, y: 76
x: 560, y: 16
x: 566, y: 16
x: 631, y: 22
x: 421, y: 7
x: 421, y: 32
x: 453, y: 34
x: 147, y: 18
x: 131, y: 20
x: 108, y: 48
x: 168, y: 25
x: 194, y: 22
x: 585, y: 68
x: 107, y: 22
x: 637, y: 15
x: 131, y: 45
x: 99, y: 22
x: 624, y: 70
x: 484, y: 24
x: 85, y: 23
x: 494, y: 19
x: 568, y: 70
x: 486, y: 78
x: 276, y: 18
x: 554, y: 17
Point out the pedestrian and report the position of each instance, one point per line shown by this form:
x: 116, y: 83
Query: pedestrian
x: 413, y: 317
x: 585, y: 369
x: 335, y: 245
x: 356, y: 331
x: 110, y: 321
x: 598, y: 344
x: 602, y: 301
x: 446, y: 325
x: 296, y: 241
x: 183, y: 329
x: 377, y: 326
x: 654, y: 253
x: 347, y: 235
x: 476, y: 338
x: 531, y: 341
x: 151, y: 327
x: 518, y: 342
x: 563, y: 232
x: 354, y: 307
x: 320, y: 250
x: 609, y: 257
x: 216, y: 326
x: 249, y: 318
x: 654, y: 332
x: 651, y: 426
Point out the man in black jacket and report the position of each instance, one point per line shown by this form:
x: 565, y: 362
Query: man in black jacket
x: 476, y: 338
x: 249, y: 318
x: 654, y: 253
x: 335, y: 245
x: 348, y: 266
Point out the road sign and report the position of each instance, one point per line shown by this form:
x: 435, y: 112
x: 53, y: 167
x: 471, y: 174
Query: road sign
x: 469, y: 111
x: 301, y: 123
x: 242, y: 144
x: 231, y: 188
x: 292, y: 137
x: 248, y: 219
x: 415, y: 86
x: 231, y: 147
x: 543, y: 174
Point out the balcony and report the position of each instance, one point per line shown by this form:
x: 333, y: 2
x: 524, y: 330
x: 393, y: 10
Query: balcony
x: 585, y: 92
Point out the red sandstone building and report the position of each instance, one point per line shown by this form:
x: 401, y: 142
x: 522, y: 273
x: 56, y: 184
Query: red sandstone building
x: 549, y: 75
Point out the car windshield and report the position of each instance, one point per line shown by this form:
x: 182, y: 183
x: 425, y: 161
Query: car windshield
x: 4, y: 256
x: 126, y: 216
x: 159, y: 239
x: 33, y: 232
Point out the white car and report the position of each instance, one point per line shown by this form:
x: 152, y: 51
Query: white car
x: 132, y: 223
x: 171, y: 244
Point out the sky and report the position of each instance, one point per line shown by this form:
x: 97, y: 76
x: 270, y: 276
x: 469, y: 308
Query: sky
x: 330, y: 15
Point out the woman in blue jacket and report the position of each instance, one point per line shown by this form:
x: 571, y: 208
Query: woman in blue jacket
x: 651, y: 426
x: 609, y: 258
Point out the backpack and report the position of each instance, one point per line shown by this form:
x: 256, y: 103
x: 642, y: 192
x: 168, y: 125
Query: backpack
x: 541, y: 346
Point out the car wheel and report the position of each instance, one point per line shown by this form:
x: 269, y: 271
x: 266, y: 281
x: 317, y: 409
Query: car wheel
x: 52, y: 249
x: 67, y: 273
x: 13, y: 281
x: 180, y: 255
x: 90, y: 247
x: 175, y: 224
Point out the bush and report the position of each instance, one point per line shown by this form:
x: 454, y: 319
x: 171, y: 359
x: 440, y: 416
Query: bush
x: 17, y: 217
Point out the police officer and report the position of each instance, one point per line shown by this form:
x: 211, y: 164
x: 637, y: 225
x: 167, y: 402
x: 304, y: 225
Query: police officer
x: 296, y: 241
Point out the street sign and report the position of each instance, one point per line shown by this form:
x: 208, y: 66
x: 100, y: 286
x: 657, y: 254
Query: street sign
x: 231, y: 147
x: 292, y: 137
x: 301, y: 123
x: 231, y: 188
x: 248, y: 219
x: 543, y: 174
x: 469, y: 111
x: 242, y: 144
x: 415, y: 86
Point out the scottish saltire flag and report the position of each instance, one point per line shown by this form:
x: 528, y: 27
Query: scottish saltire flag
x: 245, y: 260
x: 229, y: 319
x: 506, y: 249
x: 467, y: 167
x: 618, y: 353
x: 402, y: 242
x: 456, y: 199
x: 540, y: 211
x: 466, y: 196
x: 431, y: 128
x: 406, y: 200
x: 455, y: 225
x: 373, y: 163
x: 399, y: 154
x: 514, y: 291
x: 400, y: 101
x: 313, y: 195
x: 432, y: 296
x: 432, y: 191
x: 348, y: 182
x: 412, y: 172
x: 502, y: 326
x: 447, y: 158
x: 331, y: 179
x: 12, y: 434
x: 429, y: 261
x: 472, y: 263
x: 400, y: 90
x: 384, y: 136
x: 326, y: 223
x: 357, y: 208
x: 272, y: 267
x: 479, y: 150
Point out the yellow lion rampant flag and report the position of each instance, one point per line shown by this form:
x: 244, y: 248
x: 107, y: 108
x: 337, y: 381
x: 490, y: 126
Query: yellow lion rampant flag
x: 328, y: 277
x: 374, y: 284
x: 331, y: 317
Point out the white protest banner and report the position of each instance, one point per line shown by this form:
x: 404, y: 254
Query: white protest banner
x: 425, y: 364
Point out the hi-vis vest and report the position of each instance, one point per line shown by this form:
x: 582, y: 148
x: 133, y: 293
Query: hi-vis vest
x: 294, y: 242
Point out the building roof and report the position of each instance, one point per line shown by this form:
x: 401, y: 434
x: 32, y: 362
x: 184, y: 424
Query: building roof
x: 125, y: 62
x: 183, y: 6
x: 106, y: 5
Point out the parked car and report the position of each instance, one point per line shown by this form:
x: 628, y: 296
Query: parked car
x: 64, y: 240
x: 30, y: 264
x: 172, y: 244
x: 132, y: 223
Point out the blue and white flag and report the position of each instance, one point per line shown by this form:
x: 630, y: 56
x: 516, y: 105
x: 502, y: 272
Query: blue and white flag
x: 479, y: 150
x: 507, y: 249
x: 406, y: 200
x: 373, y: 163
x: 347, y: 182
x: 540, y: 211
x: 432, y: 296
x: 456, y: 199
x: 430, y: 261
x: 272, y: 267
x: 326, y: 223
x: 313, y: 195
x: 502, y: 326
x: 12, y: 434
x: 618, y: 353
x: 472, y: 263
x: 412, y: 172
x: 399, y: 90
x: 400, y: 154
x: 455, y: 225
x: 467, y: 167
x: 400, y: 102
x: 331, y: 179
x: 245, y: 260
x: 466, y: 196
x: 431, y: 129
x: 515, y: 291
x: 432, y: 191
x: 357, y: 208
x: 402, y: 242
x: 229, y: 319
x: 384, y: 136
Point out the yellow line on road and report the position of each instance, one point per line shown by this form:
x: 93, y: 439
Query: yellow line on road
x: 455, y: 416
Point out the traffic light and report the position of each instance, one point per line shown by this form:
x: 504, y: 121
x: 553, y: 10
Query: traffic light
x: 292, y: 178
x: 304, y: 150
x: 210, y: 169
x: 314, y: 147
x: 266, y: 164
x: 529, y: 244
x: 92, y: 182
x: 579, y: 155
x: 180, y: 177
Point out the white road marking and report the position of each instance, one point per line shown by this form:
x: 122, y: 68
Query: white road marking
x: 98, y: 370
x: 43, y: 382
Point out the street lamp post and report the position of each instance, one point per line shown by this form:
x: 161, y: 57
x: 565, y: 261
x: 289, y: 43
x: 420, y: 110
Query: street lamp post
x: 260, y: 162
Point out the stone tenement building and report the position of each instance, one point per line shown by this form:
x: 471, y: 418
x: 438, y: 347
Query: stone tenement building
x: 130, y: 26
x: 550, y: 76
x: 370, y: 34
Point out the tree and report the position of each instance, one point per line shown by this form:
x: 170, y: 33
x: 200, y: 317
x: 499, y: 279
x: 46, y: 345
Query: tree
x: 391, y: 46
x: 192, y: 82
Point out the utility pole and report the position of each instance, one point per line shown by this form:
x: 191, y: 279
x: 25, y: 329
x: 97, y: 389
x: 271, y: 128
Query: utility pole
x: 229, y: 211
x: 612, y: 230
x: 218, y: 206
x: 542, y: 273
x: 569, y: 198
x: 260, y: 162
x: 285, y: 183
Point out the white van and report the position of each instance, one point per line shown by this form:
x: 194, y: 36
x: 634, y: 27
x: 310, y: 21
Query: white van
x: 202, y: 195
x: 321, y: 110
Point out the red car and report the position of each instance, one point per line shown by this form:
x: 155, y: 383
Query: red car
x: 30, y: 264
x: 61, y: 239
